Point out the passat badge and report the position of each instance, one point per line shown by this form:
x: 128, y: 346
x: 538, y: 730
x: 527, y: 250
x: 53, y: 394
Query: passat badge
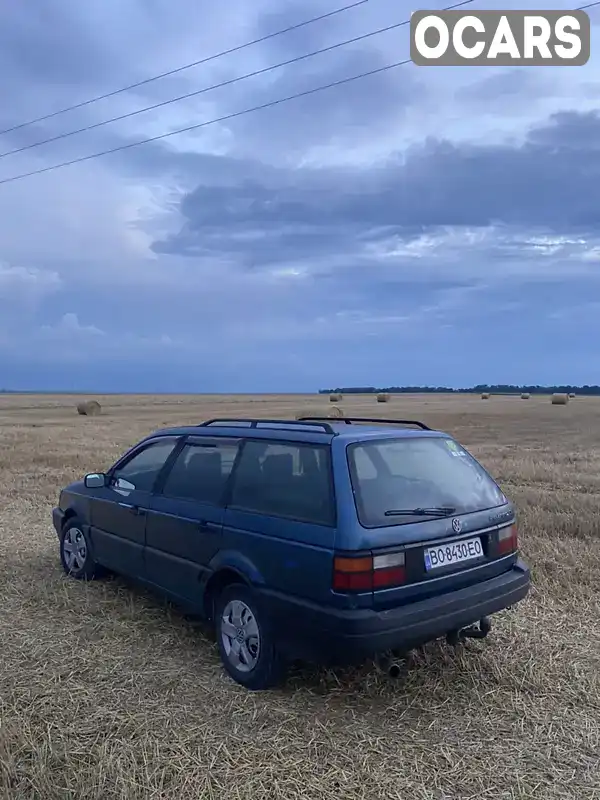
x: 456, y: 525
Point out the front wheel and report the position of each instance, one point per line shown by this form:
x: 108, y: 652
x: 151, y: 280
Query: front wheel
x: 76, y: 552
x: 245, y: 640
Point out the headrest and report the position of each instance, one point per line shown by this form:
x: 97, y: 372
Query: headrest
x: 278, y: 467
x: 205, y: 463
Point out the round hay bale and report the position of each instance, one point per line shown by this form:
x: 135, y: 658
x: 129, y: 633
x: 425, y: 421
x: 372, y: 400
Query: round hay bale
x: 525, y: 396
x: 559, y: 399
x: 383, y: 398
x: 89, y: 408
x: 485, y: 396
x: 335, y: 398
x: 571, y: 395
x: 336, y: 412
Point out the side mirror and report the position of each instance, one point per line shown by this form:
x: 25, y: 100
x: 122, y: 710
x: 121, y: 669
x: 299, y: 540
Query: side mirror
x: 95, y: 480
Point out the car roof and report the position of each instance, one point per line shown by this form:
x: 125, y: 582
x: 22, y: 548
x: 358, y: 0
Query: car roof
x: 301, y: 432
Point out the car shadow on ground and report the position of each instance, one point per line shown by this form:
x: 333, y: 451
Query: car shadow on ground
x: 421, y: 668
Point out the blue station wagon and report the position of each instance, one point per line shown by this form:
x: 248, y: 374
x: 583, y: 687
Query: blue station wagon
x: 303, y: 539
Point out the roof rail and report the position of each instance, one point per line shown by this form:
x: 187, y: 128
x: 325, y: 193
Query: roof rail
x: 269, y: 423
x: 350, y: 420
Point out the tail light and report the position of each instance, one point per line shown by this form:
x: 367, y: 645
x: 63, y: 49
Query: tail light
x: 508, y: 541
x: 368, y: 573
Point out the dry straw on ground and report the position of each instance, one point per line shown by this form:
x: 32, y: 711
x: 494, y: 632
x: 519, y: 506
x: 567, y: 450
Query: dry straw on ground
x: 336, y: 412
x: 107, y: 693
x: 89, y: 408
x: 383, y: 398
x: 335, y: 398
x: 559, y: 399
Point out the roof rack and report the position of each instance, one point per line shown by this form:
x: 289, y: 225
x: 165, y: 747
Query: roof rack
x: 270, y: 423
x: 351, y: 420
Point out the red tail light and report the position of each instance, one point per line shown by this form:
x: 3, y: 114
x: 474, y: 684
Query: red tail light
x: 508, y: 541
x: 368, y: 573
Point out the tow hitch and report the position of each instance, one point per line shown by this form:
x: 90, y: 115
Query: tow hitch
x: 472, y: 632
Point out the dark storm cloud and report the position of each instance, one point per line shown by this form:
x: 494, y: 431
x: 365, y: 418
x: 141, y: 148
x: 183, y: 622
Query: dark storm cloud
x: 550, y: 182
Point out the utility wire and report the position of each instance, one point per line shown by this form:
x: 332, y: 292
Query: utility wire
x: 184, y: 67
x: 190, y: 66
x: 236, y: 114
x: 197, y: 92
x: 208, y: 122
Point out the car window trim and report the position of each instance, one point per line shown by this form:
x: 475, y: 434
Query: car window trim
x: 200, y: 441
x: 291, y: 443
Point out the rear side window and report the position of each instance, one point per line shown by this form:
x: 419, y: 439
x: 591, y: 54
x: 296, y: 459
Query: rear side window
x: 200, y: 472
x: 285, y: 480
x: 418, y: 472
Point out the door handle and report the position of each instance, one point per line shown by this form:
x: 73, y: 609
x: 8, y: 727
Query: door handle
x: 133, y: 509
x: 208, y: 527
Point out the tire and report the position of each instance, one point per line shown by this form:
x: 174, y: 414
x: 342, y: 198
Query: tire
x: 265, y: 668
x: 76, y: 553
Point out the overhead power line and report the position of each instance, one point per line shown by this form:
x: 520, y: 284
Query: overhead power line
x: 208, y: 122
x: 236, y: 114
x: 220, y: 85
x: 223, y: 118
x: 217, y: 119
x: 185, y: 67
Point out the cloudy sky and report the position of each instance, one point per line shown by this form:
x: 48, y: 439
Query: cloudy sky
x: 424, y: 225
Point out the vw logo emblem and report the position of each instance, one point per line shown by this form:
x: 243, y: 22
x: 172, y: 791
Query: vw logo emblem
x: 456, y: 525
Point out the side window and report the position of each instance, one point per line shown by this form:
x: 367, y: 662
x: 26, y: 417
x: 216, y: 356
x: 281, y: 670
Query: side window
x: 201, y: 471
x: 142, y: 469
x: 285, y: 480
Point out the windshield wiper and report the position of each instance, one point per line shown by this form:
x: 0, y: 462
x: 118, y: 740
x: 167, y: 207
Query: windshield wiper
x: 435, y: 511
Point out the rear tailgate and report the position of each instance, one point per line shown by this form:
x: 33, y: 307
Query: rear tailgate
x: 432, y: 517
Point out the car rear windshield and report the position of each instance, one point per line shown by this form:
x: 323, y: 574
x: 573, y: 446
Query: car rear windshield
x: 417, y: 473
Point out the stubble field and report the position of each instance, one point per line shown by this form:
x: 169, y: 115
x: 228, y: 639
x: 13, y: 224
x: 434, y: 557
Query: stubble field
x: 105, y: 692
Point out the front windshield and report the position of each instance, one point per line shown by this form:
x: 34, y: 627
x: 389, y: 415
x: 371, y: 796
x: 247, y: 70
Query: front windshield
x: 416, y: 473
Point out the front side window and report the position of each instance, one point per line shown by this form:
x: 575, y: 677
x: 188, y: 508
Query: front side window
x: 142, y: 469
x: 200, y: 471
x: 285, y: 480
x: 399, y: 475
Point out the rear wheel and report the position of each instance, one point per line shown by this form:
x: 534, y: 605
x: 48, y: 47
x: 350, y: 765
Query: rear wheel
x: 245, y: 641
x: 76, y: 552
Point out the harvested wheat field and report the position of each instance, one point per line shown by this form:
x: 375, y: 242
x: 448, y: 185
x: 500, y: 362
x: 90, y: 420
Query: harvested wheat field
x: 105, y: 692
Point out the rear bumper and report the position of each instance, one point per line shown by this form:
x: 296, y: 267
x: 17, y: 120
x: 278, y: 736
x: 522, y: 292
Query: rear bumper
x: 331, y: 635
x: 58, y: 519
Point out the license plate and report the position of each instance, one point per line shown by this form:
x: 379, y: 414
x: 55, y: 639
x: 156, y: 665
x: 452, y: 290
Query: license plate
x: 446, y: 555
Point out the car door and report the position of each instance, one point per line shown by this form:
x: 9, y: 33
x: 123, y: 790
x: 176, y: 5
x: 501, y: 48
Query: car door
x: 185, y: 520
x: 118, y: 511
x: 281, y: 515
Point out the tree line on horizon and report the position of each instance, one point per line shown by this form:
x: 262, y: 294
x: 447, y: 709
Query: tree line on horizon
x: 500, y: 388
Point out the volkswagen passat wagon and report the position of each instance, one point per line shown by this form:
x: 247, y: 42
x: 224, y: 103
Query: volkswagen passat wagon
x: 303, y: 539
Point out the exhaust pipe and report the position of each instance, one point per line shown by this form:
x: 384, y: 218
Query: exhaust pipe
x: 471, y: 632
x: 392, y: 664
x: 394, y: 670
